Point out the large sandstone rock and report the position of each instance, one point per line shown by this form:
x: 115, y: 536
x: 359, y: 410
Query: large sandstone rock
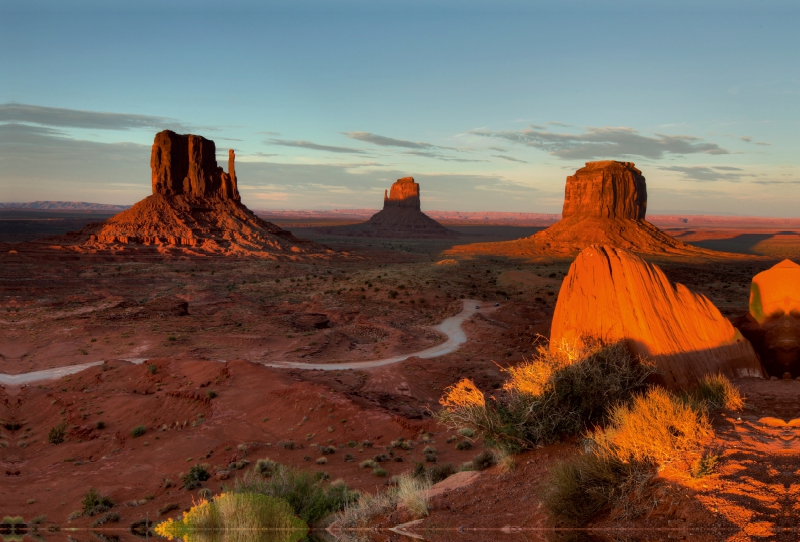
x: 606, y: 189
x: 604, y: 204
x: 611, y: 295
x: 195, y: 208
x: 401, y: 217
x: 773, y: 322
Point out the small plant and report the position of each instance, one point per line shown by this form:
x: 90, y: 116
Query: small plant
x: 716, y: 391
x: 152, y: 368
x: 380, y: 472
x: 704, y: 465
x: 368, y: 464
x: 100, y: 425
x: 464, y: 445
x: 413, y: 494
x: 196, y: 475
x: 211, y: 394
x: 58, y: 433
x: 466, y: 432
x: 484, y: 460
x: 322, y: 461
x: 138, y: 431
x: 205, y: 493
x: 167, y: 508
x: 109, y: 517
x: 366, y: 444
x: 327, y: 450
x: 401, y: 443
x: 438, y: 473
x: 348, y: 458
x: 265, y: 467
x: 430, y: 454
x: 93, y: 503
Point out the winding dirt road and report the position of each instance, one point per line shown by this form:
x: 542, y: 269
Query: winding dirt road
x: 450, y: 327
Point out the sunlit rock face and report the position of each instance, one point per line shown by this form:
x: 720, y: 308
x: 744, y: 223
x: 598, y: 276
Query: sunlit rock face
x: 195, y: 209
x: 613, y: 295
x: 606, y: 189
x: 773, y: 321
x: 404, y: 193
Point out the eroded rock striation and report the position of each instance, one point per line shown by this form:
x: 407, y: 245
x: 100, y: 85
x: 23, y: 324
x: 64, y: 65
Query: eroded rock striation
x: 772, y: 323
x: 195, y: 209
x: 401, y: 217
x: 613, y: 295
x: 605, y: 203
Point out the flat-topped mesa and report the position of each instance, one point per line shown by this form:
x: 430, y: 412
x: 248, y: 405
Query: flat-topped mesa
x: 606, y: 189
x: 404, y: 193
x: 187, y: 165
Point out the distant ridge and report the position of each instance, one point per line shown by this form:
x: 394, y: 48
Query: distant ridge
x: 64, y: 206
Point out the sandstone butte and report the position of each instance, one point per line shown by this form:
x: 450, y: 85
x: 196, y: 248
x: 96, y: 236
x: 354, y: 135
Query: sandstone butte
x: 605, y: 203
x: 195, y: 209
x: 772, y: 323
x: 401, y: 217
x: 613, y: 295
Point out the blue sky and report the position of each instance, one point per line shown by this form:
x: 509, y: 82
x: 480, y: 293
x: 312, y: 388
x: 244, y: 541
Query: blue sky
x: 489, y: 105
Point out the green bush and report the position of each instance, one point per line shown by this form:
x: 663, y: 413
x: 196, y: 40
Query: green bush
x: 716, y: 391
x: 109, y: 517
x: 57, y: 434
x: 438, y: 473
x: 484, y: 460
x: 196, y: 475
x: 557, y: 393
x: 265, y: 467
x: 308, y: 494
x: 138, y: 431
x: 464, y: 445
x: 93, y: 503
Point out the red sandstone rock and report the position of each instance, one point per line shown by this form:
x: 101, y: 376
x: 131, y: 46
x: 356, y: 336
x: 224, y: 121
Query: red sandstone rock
x: 606, y: 189
x: 604, y: 204
x: 612, y: 295
x: 401, y: 217
x: 195, y: 209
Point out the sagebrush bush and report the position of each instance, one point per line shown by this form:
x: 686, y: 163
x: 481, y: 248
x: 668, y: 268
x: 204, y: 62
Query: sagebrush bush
x: 94, y: 503
x: 307, y: 494
x: 716, y: 391
x: 138, y: 431
x: 57, y: 434
x: 556, y: 393
x: 265, y: 467
x: 484, y: 460
x: 196, y: 475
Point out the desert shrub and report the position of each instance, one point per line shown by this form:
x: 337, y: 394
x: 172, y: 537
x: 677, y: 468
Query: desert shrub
x: 437, y: 473
x: 233, y: 513
x: 94, y: 503
x: 556, y: 393
x: 307, y: 494
x: 466, y: 432
x: 196, y: 475
x: 205, y: 493
x: 614, y: 474
x: 265, y: 467
x: 430, y: 453
x: 152, y: 368
x: 211, y: 394
x: 100, y: 425
x: 109, y: 517
x: 464, y: 445
x: 327, y: 450
x: 57, y: 434
x: 322, y: 460
x: 401, y: 443
x: 361, y: 513
x: 138, y: 431
x: 413, y: 494
x: 368, y: 464
x: 484, y: 460
x: 716, y: 391
x: 349, y: 458
x: 366, y: 444
x: 652, y: 428
x: 381, y: 458
x: 589, y: 485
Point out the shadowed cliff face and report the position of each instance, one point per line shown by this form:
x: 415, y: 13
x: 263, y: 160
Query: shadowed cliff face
x: 404, y: 194
x: 606, y: 189
x: 187, y: 165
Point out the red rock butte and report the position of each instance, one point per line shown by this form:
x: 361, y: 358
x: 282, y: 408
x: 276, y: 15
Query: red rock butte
x: 195, y: 209
x: 613, y: 295
x: 605, y: 203
x: 401, y: 217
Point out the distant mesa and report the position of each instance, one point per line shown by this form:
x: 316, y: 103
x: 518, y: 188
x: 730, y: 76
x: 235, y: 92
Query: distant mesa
x: 605, y: 203
x: 195, y: 209
x: 401, y: 217
x: 613, y: 295
x: 772, y: 323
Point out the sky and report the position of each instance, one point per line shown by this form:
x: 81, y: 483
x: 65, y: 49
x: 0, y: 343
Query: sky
x: 488, y: 105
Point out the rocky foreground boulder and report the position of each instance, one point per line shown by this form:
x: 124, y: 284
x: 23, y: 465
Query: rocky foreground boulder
x: 195, y: 209
x: 772, y: 323
x: 613, y: 295
x: 401, y: 217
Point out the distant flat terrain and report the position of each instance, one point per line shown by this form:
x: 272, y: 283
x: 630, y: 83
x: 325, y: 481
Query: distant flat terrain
x: 20, y: 225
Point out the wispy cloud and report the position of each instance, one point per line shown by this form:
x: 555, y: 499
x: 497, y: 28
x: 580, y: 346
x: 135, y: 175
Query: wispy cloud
x: 763, y: 143
x: 746, y: 139
x: 384, y: 141
x: 76, y: 118
x: 443, y: 157
x: 605, y: 142
x: 314, y: 146
x: 509, y: 158
x: 709, y: 173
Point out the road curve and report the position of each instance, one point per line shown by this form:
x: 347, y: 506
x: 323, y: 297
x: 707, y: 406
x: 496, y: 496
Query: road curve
x: 450, y: 327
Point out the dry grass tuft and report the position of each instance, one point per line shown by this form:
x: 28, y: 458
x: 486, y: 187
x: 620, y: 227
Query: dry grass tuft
x: 716, y: 391
x: 413, y: 494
